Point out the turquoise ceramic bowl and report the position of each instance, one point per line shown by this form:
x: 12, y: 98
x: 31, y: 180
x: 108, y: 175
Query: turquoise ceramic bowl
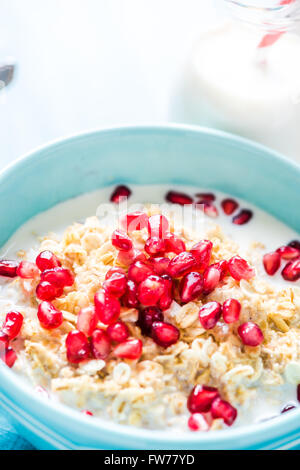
x: 163, y: 154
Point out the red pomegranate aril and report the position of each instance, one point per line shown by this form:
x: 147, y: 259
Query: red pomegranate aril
x: 164, y: 334
x: 150, y: 290
x: 60, y: 277
x: 47, y: 260
x: 128, y: 257
x: 87, y: 320
x: 167, y: 297
x: 116, y: 284
x: 209, y: 315
x: 49, y: 317
x: 107, y: 307
x: 134, y: 221
x: 119, y: 193
x: 250, y: 334
x: 211, y: 278
x: 174, y: 244
x: 291, y: 272
x: 114, y: 270
x: 100, y: 344
x: 13, y: 324
x: 202, y: 253
x: 197, y: 422
x: 239, y: 269
x: 27, y: 270
x: 229, y: 206
x: 147, y: 317
x: 4, y: 340
x: 118, y: 332
x: 222, y: 409
x: 47, y: 291
x: 159, y: 265
x: 201, y: 398
x: 139, y: 271
x: 8, y: 268
x: 8, y: 356
x: 210, y: 209
x: 208, y: 197
x: 288, y: 252
x: 158, y: 225
x: 271, y: 262
x: 181, y: 264
x: 155, y: 246
x: 223, y: 268
x: 87, y: 412
x: 242, y: 217
x: 288, y: 407
x: 191, y: 287
x: 295, y: 244
x: 131, y: 348
x: 130, y: 298
x: 178, y: 198
x: 231, y: 310
x: 77, y: 347
x: 121, y: 240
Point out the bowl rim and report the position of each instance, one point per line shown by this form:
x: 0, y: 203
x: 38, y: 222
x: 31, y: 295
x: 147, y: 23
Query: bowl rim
x: 280, y: 426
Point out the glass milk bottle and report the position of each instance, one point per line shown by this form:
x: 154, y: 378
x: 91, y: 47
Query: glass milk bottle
x: 244, y: 77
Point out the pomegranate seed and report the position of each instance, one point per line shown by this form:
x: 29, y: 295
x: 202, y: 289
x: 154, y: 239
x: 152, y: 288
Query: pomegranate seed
x: 288, y: 407
x: 288, y: 252
x: 181, y: 264
x: 120, y: 193
x: 197, y: 422
x: 47, y: 291
x: 116, y: 284
x: 128, y: 257
x: 147, y: 317
x: 49, y: 316
x: 114, y: 270
x: 201, y: 398
x: 271, y: 262
x: 291, y: 272
x: 77, y: 346
x: 242, y: 217
x: 47, y: 260
x: 166, y: 299
x: 139, y: 271
x: 150, y: 290
x: 159, y: 265
x: 155, y: 246
x: 210, y: 314
x: 130, y: 298
x: 222, y: 409
x: 158, y: 226
x: 13, y: 324
x: 202, y: 253
x: 60, y: 277
x: 107, y: 307
x: 191, y: 286
x: 208, y: 197
x: 121, y: 241
x: 87, y: 320
x: 8, y: 268
x: 174, y: 244
x: 100, y: 344
x: 118, y: 332
x: 27, y: 270
x: 4, y: 340
x: 134, y: 221
x: 250, y: 334
x: 298, y: 392
x: 129, y: 349
x: 295, y: 244
x: 8, y: 356
x: 229, y: 206
x: 240, y: 269
x: 223, y: 268
x: 87, y: 412
x: 211, y: 278
x: 231, y: 310
x: 178, y: 198
x: 164, y: 334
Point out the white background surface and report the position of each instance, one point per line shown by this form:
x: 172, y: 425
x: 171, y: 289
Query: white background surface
x: 84, y: 64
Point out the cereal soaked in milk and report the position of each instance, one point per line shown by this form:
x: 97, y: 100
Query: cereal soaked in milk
x: 189, y: 319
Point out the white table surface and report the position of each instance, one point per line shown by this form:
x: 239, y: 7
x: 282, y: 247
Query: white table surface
x: 83, y: 64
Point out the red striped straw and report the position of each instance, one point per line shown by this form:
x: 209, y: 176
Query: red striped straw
x: 271, y: 38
